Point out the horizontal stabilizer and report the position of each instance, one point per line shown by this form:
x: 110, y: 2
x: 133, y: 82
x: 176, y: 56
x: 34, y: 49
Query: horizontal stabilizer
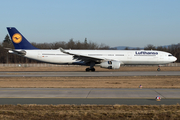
x: 18, y: 52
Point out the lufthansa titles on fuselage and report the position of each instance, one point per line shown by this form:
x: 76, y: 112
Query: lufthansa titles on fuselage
x: 144, y: 53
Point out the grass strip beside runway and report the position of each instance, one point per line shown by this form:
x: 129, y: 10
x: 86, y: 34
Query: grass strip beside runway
x: 87, y: 112
x: 91, y: 82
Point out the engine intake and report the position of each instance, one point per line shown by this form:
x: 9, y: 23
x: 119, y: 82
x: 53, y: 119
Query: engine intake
x: 111, y: 64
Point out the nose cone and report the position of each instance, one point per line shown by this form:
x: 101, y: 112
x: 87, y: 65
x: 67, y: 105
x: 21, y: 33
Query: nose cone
x: 174, y: 59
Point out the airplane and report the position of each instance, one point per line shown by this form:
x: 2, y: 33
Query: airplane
x: 110, y: 59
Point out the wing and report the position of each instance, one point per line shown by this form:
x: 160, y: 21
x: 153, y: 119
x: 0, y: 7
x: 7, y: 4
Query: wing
x: 83, y: 57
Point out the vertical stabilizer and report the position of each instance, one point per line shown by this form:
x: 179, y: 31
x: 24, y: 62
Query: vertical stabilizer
x: 19, y: 41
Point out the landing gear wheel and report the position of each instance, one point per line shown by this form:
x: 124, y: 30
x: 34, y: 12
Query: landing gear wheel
x: 87, y: 69
x: 93, y: 69
x: 158, y: 69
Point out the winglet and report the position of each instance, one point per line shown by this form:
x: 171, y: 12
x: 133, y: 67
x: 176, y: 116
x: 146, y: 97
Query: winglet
x: 63, y: 51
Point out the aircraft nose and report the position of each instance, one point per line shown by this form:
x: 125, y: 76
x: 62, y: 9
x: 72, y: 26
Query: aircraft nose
x: 174, y: 59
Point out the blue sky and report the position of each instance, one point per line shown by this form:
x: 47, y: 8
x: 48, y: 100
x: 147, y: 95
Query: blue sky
x: 134, y: 23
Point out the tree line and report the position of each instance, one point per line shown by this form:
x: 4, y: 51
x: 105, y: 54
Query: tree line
x: 6, y: 57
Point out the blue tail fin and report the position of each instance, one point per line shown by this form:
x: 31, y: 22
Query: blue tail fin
x: 19, y: 41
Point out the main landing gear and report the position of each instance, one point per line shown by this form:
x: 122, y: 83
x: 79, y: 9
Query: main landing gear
x: 92, y: 64
x: 159, y: 69
x: 88, y: 69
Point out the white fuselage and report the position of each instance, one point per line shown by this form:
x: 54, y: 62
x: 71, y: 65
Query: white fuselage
x: 126, y: 57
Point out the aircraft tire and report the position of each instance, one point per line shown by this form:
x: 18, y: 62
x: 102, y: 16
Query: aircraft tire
x: 87, y: 69
x: 93, y: 69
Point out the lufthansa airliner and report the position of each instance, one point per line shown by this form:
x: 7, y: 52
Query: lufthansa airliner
x: 110, y: 59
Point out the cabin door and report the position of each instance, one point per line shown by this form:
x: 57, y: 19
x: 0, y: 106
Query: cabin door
x: 39, y: 55
x: 129, y: 55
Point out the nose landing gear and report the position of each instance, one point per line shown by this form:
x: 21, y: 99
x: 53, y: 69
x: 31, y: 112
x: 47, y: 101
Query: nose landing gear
x: 159, y: 69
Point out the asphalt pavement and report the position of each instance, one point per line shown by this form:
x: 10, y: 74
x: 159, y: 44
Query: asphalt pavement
x: 79, y: 96
x: 87, y: 74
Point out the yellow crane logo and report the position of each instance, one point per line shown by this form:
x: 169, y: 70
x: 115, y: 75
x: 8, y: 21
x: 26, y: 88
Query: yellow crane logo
x: 17, y: 38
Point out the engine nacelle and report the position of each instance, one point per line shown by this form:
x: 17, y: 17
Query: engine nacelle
x: 111, y: 64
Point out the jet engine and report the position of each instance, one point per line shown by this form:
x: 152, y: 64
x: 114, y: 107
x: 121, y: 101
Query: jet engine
x: 111, y: 64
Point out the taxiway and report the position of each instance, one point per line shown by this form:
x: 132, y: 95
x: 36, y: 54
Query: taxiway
x: 86, y: 74
x: 89, y: 101
x: 88, y: 96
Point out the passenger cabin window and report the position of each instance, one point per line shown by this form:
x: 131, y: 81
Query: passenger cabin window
x: 170, y: 55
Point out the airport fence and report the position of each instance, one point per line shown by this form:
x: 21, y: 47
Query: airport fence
x: 55, y: 65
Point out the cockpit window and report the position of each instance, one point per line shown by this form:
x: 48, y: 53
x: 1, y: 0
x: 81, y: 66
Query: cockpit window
x: 170, y: 55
